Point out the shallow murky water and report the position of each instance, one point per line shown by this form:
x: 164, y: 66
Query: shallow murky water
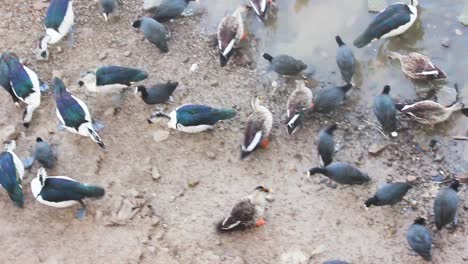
x: 306, y: 28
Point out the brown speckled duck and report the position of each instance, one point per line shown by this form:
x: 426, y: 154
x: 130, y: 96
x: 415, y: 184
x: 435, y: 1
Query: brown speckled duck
x: 247, y: 213
x: 418, y: 66
x: 258, y: 128
x: 231, y: 30
x: 299, y: 101
x: 429, y: 112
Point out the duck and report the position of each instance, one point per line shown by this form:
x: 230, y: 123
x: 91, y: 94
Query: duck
x: 231, y: 31
x: 327, y: 100
x: 63, y: 191
x: 154, y: 32
x: 5, y: 75
x: 26, y: 86
x: 392, y: 21
x: 326, y: 145
x: 108, y: 7
x: 110, y: 78
x: 12, y: 173
x: 285, y: 64
x: 58, y: 23
x: 389, y: 194
x: 73, y: 114
x: 192, y: 118
x: 418, y: 66
x: 247, y: 213
x: 446, y: 205
x: 429, y: 112
x: 261, y: 8
x: 345, y: 60
x: 258, y: 128
x: 169, y: 9
x: 157, y: 94
x: 44, y: 153
x: 298, y: 103
x: 420, y: 239
x: 385, y: 111
x: 342, y: 173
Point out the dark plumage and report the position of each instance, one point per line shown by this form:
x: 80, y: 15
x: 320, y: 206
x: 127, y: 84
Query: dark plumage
x: 345, y: 60
x: 326, y: 145
x: 385, y: 111
x: 108, y: 7
x: 327, y: 100
x: 56, y: 14
x: 122, y: 75
x: 446, y: 205
x: 392, y: 21
x: 194, y: 115
x: 10, y: 179
x: 342, y: 173
x: 157, y: 94
x: 169, y: 9
x: 5, y: 74
x: 389, y: 194
x: 419, y: 239
x: 44, y: 154
x: 154, y: 32
x: 285, y: 65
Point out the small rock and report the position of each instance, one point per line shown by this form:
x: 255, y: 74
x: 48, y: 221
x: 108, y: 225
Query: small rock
x: 238, y: 260
x: 194, y: 67
x: 57, y: 73
x: 439, y: 157
x: 39, y: 5
x: 193, y: 184
x: 160, y: 135
x: 463, y: 18
x: 411, y: 178
x: 375, y: 149
x: 211, y: 155
x: 376, y: 5
x: 155, y: 175
x: 59, y: 49
x: 446, y: 42
x: 102, y: 56
x: 155, y: 220
x: 458, y: 32
x: 294, y: 257
x: 214, y: 83
x: 127, y: 53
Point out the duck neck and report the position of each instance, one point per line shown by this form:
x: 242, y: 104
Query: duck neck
x: 455, y: 107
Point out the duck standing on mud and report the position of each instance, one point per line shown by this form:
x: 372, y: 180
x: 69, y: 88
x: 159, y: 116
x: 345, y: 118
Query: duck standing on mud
x: 385, y: 111
x: 247, y: 213
x: 157, y: 94
x: 342, y: 173
x: 389, y: 194
x: 298, y: 103
x: 394, y: 20
x: 327, y: 100
x: 258, y: 128
x: 285, y: 64
x: 169, y: 9
x: 108, y: 7
x: 12, y: 173
x: 154, y: 32
x: 108, y: 79
x: 420, y: 239
x: 345, y: 60
x: 446, y: 205
x: 326, y: 145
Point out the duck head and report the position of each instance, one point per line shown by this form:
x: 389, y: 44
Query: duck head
x: 263, y: 189
x: 420, y: 221
x: 43, y: 51
x: 455, y: 184
x: 140, y: 88
x: 88, y: 80
x: 414, y: 2
x: 256, y: 102
x: 41, y: 176
x: 10, y: 145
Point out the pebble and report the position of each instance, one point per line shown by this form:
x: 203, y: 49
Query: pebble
x: 160, y: 135
x: 446, y: 42
x: 458, y: 32
x: 194, y: 67
x: 102, y: 56
x: 127, y: 53
x: 375, y: 149
x: 211, y: 155
x: 411, y: 178
x: 193, y: 184
x: 155, y: 175
x: 214, y: 83
x: 59, y: 49
x: 155, y: 220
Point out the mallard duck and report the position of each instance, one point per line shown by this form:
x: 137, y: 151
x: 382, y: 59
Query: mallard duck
x: 58, y: 23
x: 12, y: 173
x: 5, y: 75
x: 345, y: 60
x: 191, y: 118
x: 327, y: 100
x: 231, y: 31
x: 419, y: 239
x: 285, y: 64
x: 385, y: 111
x: 326, y: 145
x: 26, y: 86
x: 62, y: 191
x: 73, y: 113
x: 169, y: 9
x: 446, y: 205
x: 247, y: 213
x: 261, y: 8
x: 418, y: 66
x: 299, y: 101
x: 258, y: 128
x: 389, y: 194
x: 157, y: 94
x: 429, y: 112
x: 154, y: 32
x: 108, y: 7
x: 394, y: 20
x: 111, y: 78
x: 342, y: 173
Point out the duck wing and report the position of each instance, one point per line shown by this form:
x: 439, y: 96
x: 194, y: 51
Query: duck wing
x: 56, y: 14
x: 121, y: 75
x: 422, y: 65
x: 227, y: 33
x: 241, y: 217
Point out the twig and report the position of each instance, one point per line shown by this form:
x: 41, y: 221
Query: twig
x: 376, y: 127
x: 460, y: 138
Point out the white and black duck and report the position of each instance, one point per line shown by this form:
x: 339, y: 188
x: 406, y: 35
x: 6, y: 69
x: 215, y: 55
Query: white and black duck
x: 429, y: 112
x: 385, y: 111
x: 62, y: 191
x: 342, y: 173
x: 108, y: 7
x: 446, y: 205
x: 191, y: 118
x: 5, y: 74
x: 326, y: 145
x: 154, y: 32
x: 258, y: 129
x: 231, y: 31
x: 418, y: 66
x: 329, y: 99
x: 73, y: 113
x: 420, y: 239
x: 394, y: 20
x: 298, y: 103
x: 111, y: 78
x: 345, y: 60
x: 389, y: 194
x: 285, y: 64
x: 247, y: 213
x: 58, y: 23
x: 12, y: 173
x: 157, y: 94
x: 169, y: 9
